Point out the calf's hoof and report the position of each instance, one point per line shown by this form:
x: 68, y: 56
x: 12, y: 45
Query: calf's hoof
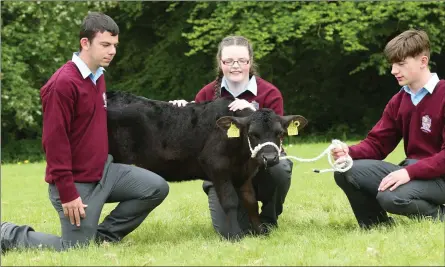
x: 234, y: 237
x: 264, y: 229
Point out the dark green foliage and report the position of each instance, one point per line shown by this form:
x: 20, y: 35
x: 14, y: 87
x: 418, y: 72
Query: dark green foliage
x: 325, y: 57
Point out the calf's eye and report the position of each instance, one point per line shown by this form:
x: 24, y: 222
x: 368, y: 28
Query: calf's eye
x: 280, y: 133
x: 254, y: 135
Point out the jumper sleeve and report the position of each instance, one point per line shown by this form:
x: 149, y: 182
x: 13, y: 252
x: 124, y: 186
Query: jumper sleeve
x: 58, y: 110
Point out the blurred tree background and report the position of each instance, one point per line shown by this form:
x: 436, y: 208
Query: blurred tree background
x: 325, y: 57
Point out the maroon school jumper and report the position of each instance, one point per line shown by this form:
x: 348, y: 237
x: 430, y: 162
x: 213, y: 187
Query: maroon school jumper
x: 75, y: 137
x: 421, y: 127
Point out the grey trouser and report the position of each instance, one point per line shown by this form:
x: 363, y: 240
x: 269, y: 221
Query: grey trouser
x: 139, y: 191
x: 271, y: 186
x: 417, y: 198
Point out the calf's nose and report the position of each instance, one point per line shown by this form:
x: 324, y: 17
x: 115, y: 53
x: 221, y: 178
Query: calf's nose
x: 270, y: 159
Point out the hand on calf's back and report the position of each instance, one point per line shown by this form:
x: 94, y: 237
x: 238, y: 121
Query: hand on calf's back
x: 180, y: 103
x: 240, y: 104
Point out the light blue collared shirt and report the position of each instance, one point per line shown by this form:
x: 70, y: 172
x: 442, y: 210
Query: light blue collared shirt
x: 251, y: 86
x: 428, y: 88
x: 84, y: 70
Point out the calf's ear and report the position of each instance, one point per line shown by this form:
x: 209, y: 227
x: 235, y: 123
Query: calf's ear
x: 225, y: 122
x: 293, y: 123
x: 232, y: 125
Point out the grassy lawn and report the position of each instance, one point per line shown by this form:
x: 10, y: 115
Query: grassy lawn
x: 317, y: 227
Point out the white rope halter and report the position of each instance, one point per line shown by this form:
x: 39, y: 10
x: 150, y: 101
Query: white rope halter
x: 260, y: 146
x: 342, y: 164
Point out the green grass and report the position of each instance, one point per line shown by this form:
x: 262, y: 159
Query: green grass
x: 317, y: 227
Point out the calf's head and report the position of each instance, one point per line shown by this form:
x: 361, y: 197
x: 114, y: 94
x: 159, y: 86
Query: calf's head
x: 262, y: 128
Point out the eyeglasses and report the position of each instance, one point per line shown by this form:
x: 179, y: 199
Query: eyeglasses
x: 231, y: 61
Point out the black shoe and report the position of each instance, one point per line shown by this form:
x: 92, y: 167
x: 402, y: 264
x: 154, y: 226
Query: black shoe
x: 4, y: 242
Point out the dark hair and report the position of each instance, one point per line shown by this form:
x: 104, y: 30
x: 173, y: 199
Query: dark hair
x: 410, y: 43
x: 228, y: 41
x: 96, y: 22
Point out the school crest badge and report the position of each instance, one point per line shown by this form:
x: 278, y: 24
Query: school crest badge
x: 104, y: 95
x: 426, y: 124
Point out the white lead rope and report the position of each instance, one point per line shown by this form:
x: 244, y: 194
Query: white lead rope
x: 340, y: 165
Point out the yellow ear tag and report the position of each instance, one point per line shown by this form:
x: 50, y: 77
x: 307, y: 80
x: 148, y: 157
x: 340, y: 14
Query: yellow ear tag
x: 293, y: 128
x: 233, y: 131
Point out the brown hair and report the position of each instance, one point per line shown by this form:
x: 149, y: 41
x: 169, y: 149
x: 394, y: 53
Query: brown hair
x: 96, y: 22
x: 410, y: 43
x: 228, y: 41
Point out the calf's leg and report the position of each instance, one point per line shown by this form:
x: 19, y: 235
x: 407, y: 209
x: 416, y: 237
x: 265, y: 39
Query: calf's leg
x: 251, y: 204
